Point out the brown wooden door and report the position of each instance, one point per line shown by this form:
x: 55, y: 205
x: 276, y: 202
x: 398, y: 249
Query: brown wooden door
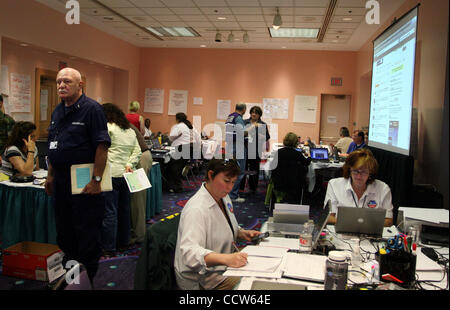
x: 48, y: 102
x: 335, y: 113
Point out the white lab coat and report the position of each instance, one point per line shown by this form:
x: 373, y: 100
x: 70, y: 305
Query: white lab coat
x: 203, y: 229
x: 341, y: 193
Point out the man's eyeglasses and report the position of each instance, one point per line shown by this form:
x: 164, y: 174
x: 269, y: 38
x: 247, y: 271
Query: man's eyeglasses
x: 360, y: 172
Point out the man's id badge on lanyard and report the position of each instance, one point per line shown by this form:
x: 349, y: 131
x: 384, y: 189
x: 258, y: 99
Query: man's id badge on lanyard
x: 53, y: 145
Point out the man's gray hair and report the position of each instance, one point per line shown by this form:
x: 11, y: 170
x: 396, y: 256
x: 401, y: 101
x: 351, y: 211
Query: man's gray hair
x: 241, y: 106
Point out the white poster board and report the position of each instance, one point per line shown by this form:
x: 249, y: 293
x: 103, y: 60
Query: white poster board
x: 276, y: 108
x: 4, y: 81
x: 20, y: 96
x: 305, y: 108
x: 223, y: 109
x: 198, y: 100
x: 178, y: 100
x: 154, y: 100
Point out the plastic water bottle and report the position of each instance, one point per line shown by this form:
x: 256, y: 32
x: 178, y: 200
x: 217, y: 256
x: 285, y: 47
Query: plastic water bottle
x: 305, y: 238
x: 336, y: 271
x: 356, y: 255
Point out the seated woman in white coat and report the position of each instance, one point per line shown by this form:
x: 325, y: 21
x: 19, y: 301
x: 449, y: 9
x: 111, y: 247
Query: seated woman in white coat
x: 208, y: 230
x: 358, y: 187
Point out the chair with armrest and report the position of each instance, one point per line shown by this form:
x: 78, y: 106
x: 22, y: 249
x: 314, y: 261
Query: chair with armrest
x: 155, y: 266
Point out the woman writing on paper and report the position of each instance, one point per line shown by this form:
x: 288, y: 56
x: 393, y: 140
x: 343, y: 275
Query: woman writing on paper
x: 208, y: 230
x: 123, y: 156
x: 20, y: 156
x: 358, y: 187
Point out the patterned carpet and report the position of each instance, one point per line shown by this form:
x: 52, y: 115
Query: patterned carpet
x: 117, y: 272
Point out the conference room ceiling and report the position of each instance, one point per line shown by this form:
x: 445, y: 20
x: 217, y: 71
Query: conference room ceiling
x: 342, y: 23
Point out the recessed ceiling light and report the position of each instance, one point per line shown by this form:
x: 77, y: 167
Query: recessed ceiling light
x: 221, y: 18
x: 23, y: 44
x: 283, y: 47
x: 174, y: 31
x: 347, y: 18
x: 51, y: 52
x: 203, y: 45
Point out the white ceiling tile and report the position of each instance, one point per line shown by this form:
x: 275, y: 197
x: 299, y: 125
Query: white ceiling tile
x: 343, y: 25
x: 167, y: 18
x: 96, y: 11
x: 84, y: 4
x: 214, y: 18
x: 246, y: 11
x: 246, y: 3
x: 312, y: 3
x: 250, y: 18
x: 253, y: 24
x: 352, y: 4
x: 283, y: 11
x: 157, y: 11
x: 350, y: 11
x: 310, y: 11
x: 308, y: 25
x: 226, y: 25
x: 186, y: 11
x: 216, y: 11
x: 130, y: 11
x: 210, y: 3
x: 147, y: 3
x: 178, y: 3
x: 117, y: 3
x: 193, y: 18
x: 308, y: 19
x: 275, y: 3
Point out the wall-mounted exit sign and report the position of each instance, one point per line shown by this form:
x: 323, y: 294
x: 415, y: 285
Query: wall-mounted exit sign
x: 336, y: 81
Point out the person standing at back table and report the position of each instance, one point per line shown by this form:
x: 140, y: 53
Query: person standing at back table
x: 6, y: 125
x: 78, y: 134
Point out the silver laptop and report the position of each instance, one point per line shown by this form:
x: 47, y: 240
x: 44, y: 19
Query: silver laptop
x: 360, y: 220
x: 320, y: 222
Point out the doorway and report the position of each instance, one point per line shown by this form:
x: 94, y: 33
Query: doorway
x: 335, y: 113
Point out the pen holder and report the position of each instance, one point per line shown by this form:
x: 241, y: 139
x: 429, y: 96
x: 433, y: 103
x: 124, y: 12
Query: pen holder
x: 399, y: 264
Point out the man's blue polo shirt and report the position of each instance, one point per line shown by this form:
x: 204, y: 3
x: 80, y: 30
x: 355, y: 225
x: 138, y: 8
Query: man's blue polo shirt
x: 78, y: 130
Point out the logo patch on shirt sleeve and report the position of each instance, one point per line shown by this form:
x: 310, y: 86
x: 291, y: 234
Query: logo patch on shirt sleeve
x: 372, y: 204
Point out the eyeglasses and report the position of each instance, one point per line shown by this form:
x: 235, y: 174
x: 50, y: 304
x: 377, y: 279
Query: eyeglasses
x: 360, y: 172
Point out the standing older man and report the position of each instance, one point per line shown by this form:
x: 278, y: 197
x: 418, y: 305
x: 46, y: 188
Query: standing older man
x: 77, y: 134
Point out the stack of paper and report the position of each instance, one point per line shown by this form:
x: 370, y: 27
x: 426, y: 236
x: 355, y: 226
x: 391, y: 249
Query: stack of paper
x: 263, y: 262
x: 436, y: 216
x: 305, y: 267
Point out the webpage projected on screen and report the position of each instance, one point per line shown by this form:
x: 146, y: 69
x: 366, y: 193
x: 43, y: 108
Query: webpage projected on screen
x: 393, y: 86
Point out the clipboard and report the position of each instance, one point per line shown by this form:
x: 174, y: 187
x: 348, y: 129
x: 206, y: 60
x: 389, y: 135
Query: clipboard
x: 137, y: 180
x: 81, y: 175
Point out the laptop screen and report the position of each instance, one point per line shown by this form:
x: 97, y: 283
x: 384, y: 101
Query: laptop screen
x: 320, y: 222
x: 319, y: 153
x: 156, y: 144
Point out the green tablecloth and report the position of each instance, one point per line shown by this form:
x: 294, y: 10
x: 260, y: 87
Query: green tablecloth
x: 154, y: 193
x: 26, y: 213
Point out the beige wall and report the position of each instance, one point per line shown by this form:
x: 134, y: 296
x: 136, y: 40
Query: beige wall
x: 431, y: 56
x: 247, y: 76
x: 35, y: 24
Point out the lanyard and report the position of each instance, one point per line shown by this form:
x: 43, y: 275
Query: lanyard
x: 227, y: 217
x: 354, y: 199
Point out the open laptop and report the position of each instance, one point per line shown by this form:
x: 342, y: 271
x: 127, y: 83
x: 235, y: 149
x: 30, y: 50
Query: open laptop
x: 360, y: 220
x: 319, y: 154
x: 157, y: 148
x: 319, y: 223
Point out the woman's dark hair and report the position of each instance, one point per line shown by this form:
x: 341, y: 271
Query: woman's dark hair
x: 229, y: 167
x: 115, y: 115
x: 20, y: 131
x: 182, y: 118
x: 147, y: 121
x: 358, y: 159
x: 345, y: 132
x: 257, y: 110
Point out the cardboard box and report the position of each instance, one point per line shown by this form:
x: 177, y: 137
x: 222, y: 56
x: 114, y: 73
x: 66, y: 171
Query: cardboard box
x: 33, y: 260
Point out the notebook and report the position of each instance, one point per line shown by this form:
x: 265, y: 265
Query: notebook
x: 360, y: 220
x: 319, y: 154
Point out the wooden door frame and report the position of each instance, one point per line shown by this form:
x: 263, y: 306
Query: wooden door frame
x: 37, y: 106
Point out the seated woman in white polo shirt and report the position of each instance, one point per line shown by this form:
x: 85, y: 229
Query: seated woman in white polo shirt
x: 358, y: 187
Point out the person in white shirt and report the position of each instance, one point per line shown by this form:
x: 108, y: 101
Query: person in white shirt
x: 344, y: 142
x: 208, y: 230
x: 358, y: 187
x: 147, y: 131
x: 181, y: 138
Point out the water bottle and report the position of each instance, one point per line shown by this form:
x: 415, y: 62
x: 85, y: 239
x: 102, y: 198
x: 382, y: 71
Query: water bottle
x: 356, y: 254
x: 336, y: 271
x: 305, y: 238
